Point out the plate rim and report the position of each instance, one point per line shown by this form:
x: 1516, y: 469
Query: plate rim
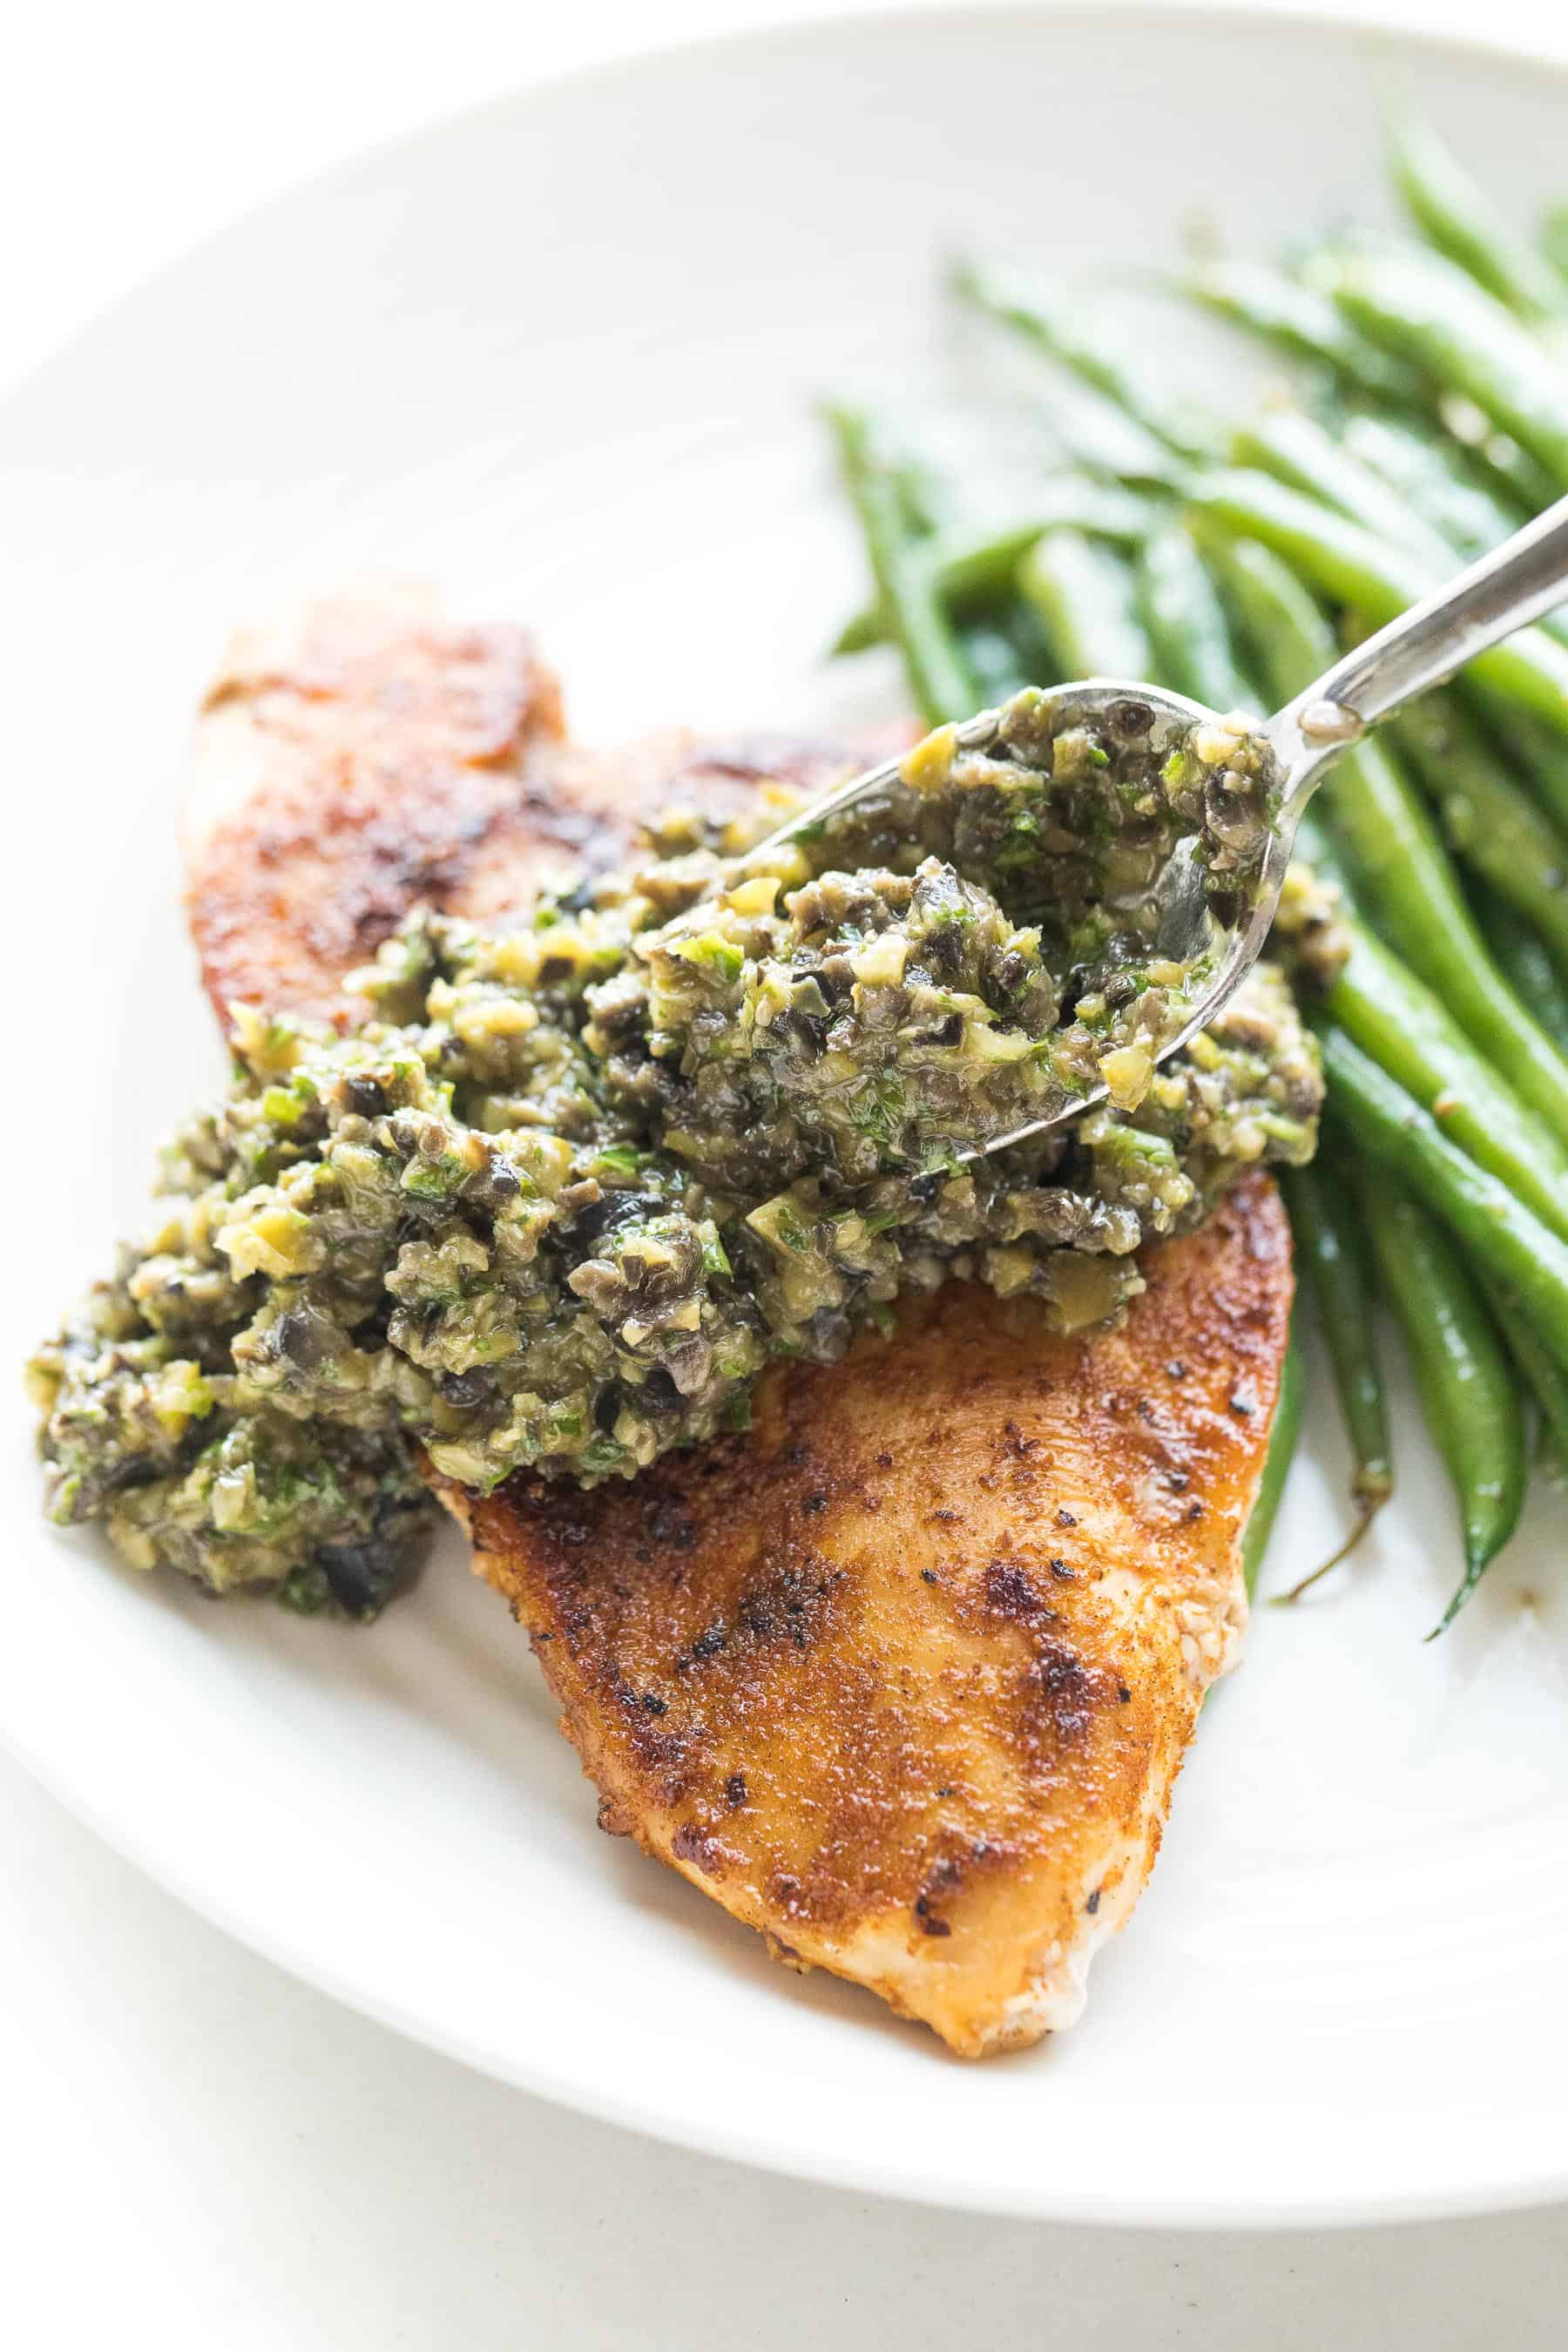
x: 1374, y: 22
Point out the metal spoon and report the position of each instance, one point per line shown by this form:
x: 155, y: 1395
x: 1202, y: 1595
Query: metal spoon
x: 1502, y: 592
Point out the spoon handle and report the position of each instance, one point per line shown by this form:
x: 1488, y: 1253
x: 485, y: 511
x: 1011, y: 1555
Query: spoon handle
x: 1502, y: 592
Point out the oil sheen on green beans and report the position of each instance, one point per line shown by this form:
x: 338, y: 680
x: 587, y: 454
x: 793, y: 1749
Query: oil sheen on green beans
x: 564, y: 1191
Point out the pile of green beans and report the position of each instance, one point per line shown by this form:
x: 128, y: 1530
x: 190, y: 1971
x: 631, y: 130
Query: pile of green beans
x: 1425, y: 417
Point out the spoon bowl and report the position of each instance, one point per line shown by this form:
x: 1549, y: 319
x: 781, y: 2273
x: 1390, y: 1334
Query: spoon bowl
x: 1525, y: 577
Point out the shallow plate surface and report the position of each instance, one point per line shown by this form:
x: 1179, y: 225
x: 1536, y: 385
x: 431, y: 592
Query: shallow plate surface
x: 559, y: 357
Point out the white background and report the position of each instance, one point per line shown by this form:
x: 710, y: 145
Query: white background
x: 193, y: 2146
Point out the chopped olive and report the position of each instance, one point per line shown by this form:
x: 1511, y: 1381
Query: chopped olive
x: 563, y: 1192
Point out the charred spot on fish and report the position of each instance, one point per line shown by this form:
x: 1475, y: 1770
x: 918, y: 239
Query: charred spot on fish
x: 700, y: 1849
x: 1009, y: 1591
x: 1060, y: 1677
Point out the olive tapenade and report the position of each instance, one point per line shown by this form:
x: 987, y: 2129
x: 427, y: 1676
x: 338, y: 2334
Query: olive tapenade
x: 564, y: 1191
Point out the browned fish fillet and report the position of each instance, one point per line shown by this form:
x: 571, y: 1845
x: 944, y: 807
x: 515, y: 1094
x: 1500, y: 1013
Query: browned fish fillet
x: 901, y: 1677
x: 371, y: 756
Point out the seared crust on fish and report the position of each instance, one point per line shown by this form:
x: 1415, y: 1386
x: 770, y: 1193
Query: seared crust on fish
x: 371, y: 756
x: 903, y: 1677
x: 349, y: 763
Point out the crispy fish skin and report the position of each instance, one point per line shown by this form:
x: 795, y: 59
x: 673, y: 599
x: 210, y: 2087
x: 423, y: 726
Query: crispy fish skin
x: 901, y: 1677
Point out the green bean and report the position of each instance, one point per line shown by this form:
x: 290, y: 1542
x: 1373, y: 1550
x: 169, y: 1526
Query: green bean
x: 1406, y: 1028
x: 1320, y: 851
x: 1522, y: 959
x: 1435, y: 478
x: 1295, y: 449
x: 941, y: 677
x: 1450, y: 507
x: 1186, y: 622
x: 1336, y: 555
x: 1489, y: 821
x: 1511, y: 473
x: 1084, y: 595
x: 1544, y: 1377
x: 1384, y: 1010
x: 1504, y: 1239
x: 1052, y: 321
x: 1445, y: 509
x: 1456, y: 507
x: 1457, y: 218
x: 1402, y: 1027
x: 1421, y: 910
x: 1283, y: 1437
x: 1424, y: 310
x: 1378, y: 581
x: 1330, y: 1246
x: 1280, y: 310
x: 1542, y: 753
x: 1418, y: 1040
x: 1108, y: 445
x: 1468, y: 1394
x: 1391, y: 849
x: 976, y: 568
x: 1553, y: 237
x: 1300, y: 452
x: 925, y: 494
x: 1410, y: 490
x: 1297, y: 317
x: 994, y: 663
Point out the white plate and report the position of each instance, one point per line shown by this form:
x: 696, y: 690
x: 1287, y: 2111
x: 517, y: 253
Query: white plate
x: 558, y: 356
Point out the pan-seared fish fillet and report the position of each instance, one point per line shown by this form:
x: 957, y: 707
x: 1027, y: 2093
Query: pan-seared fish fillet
x: 369, y: 756
x: 349, y: 762
x: 901, y: 1677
